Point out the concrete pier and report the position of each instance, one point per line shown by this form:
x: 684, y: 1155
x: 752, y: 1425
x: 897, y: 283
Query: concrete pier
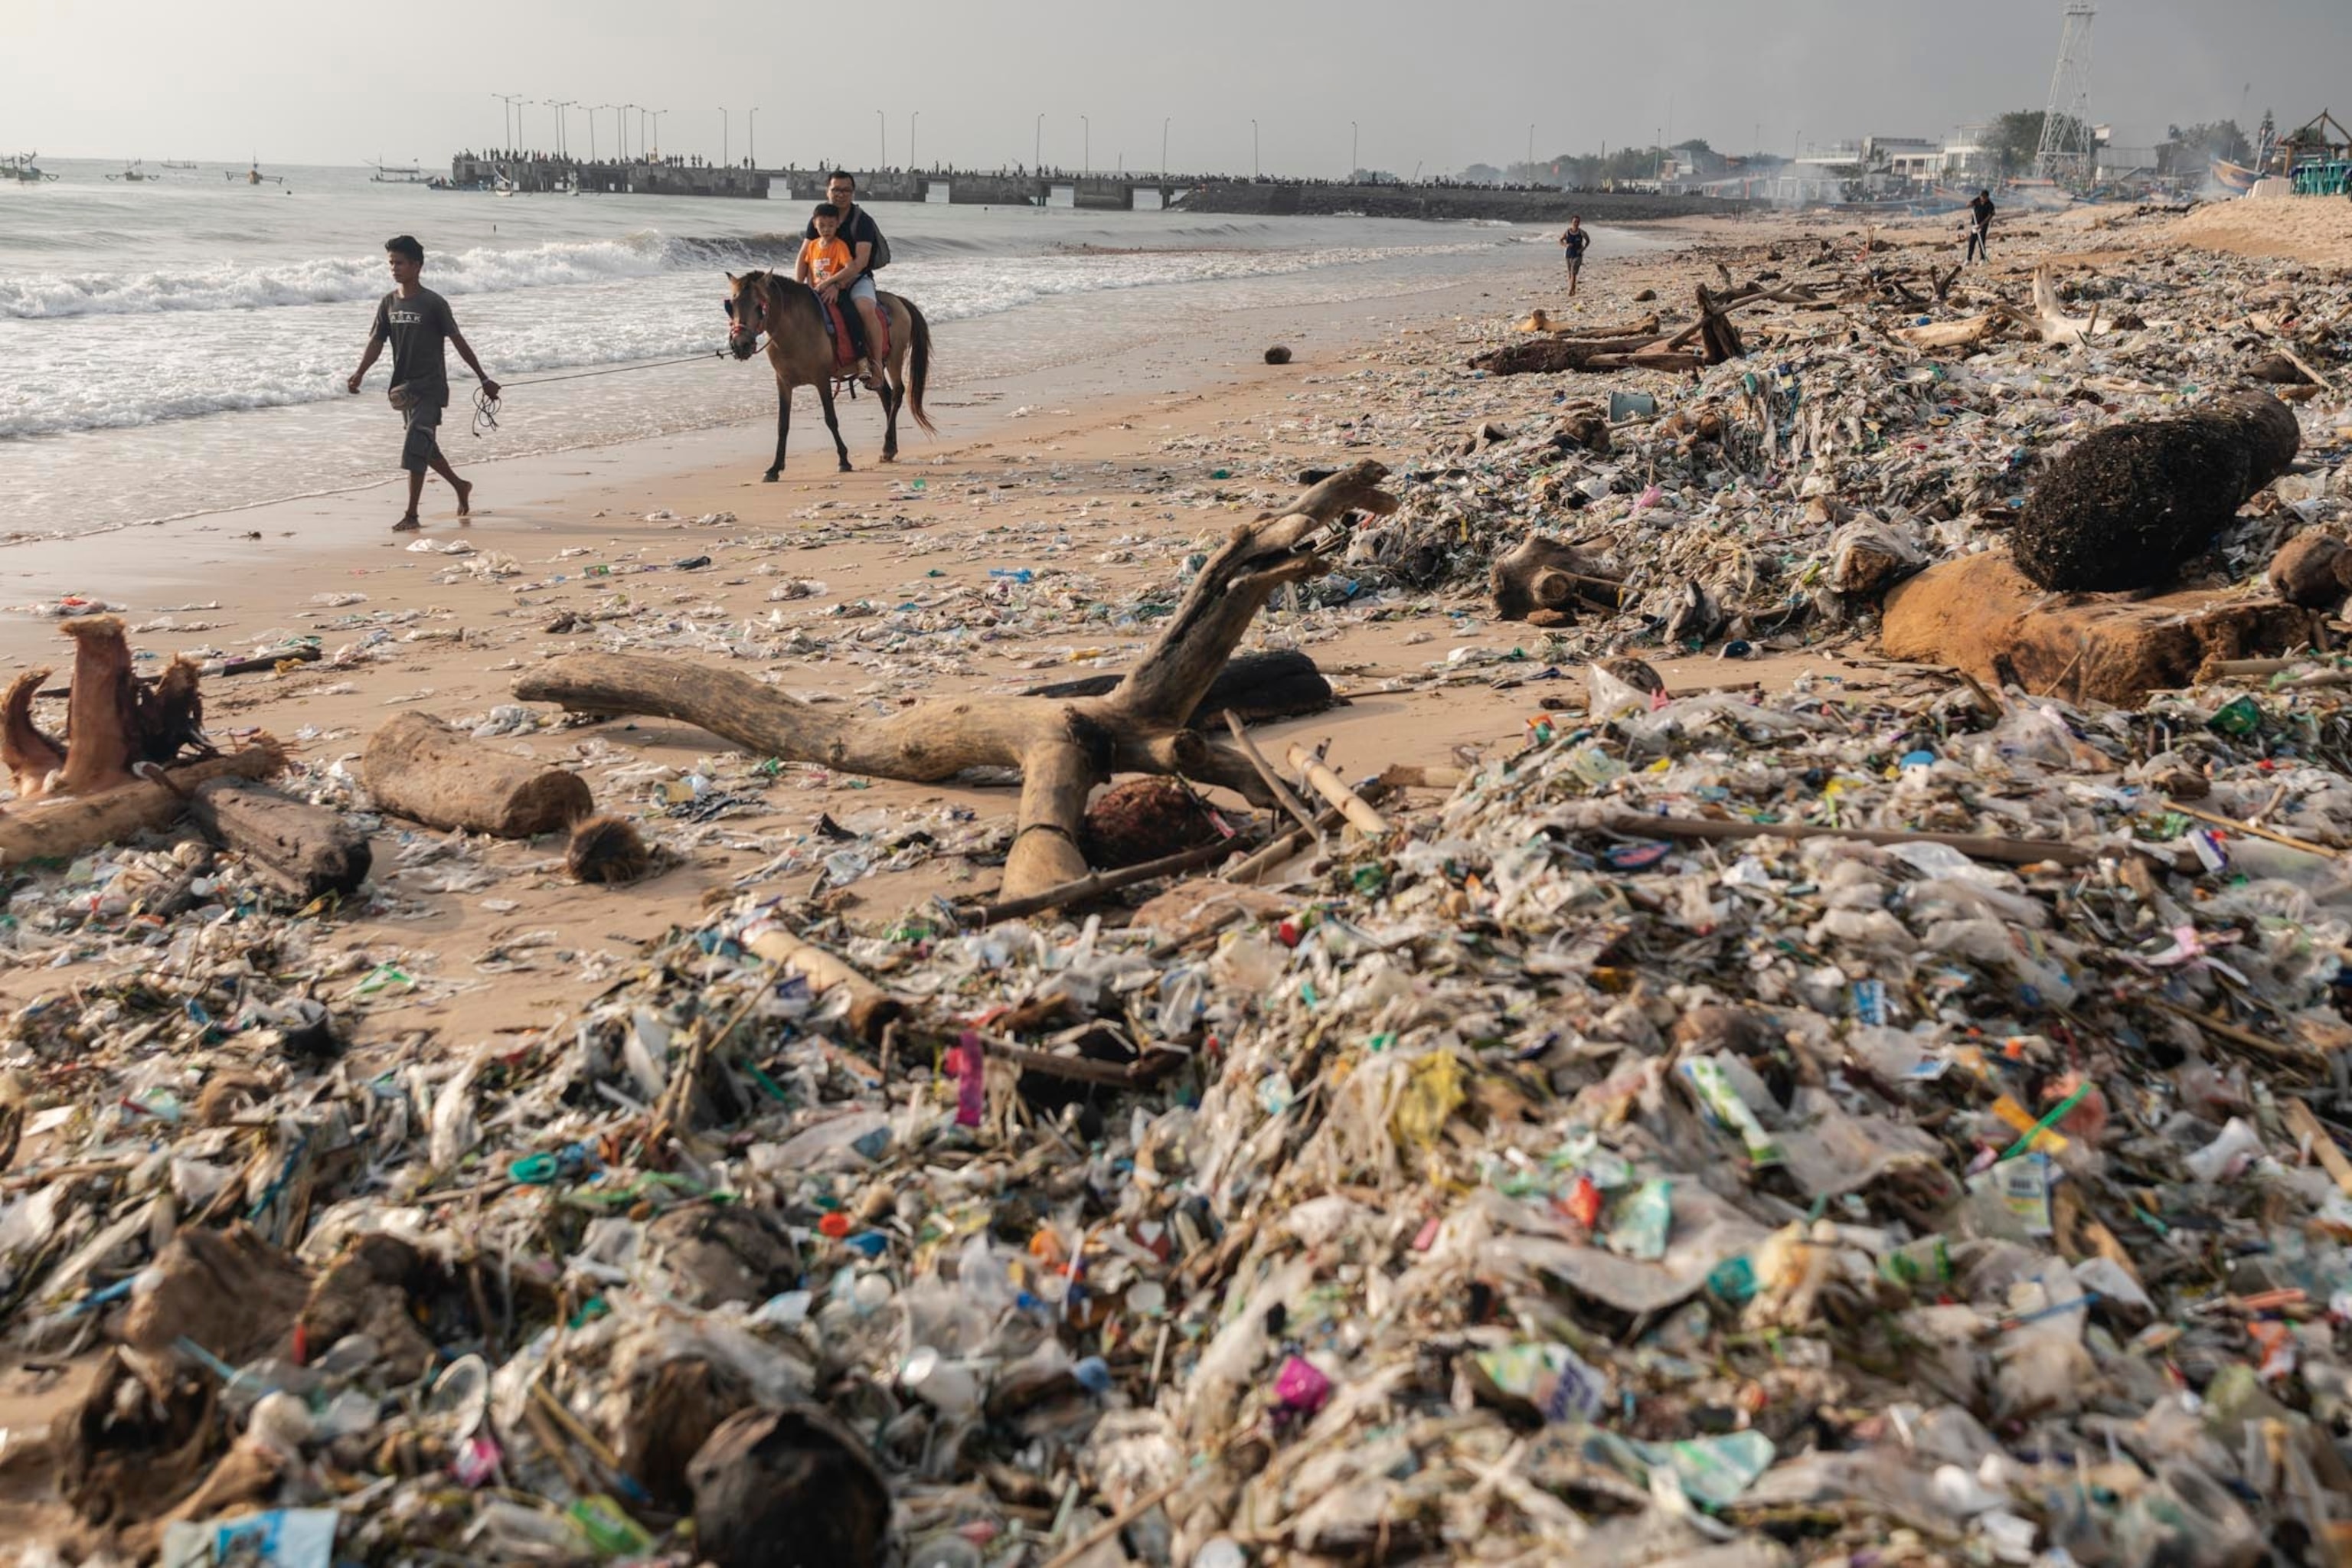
x: 1092, y: 193
x: 542, y: 176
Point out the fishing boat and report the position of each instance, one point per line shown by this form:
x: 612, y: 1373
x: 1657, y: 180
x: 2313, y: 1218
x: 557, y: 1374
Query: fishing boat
x: 396, y: 175
x: 23, y: 170
x: 132, y: 172
x: 254, y: 176
x: 168, y: 163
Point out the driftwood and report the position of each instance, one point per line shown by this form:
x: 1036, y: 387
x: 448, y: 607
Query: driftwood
x: 114, y: 721
x: 305, y: 849
x: 1063, y: 748
x: 417, y: 767
x: 871, y: 1008
x: 60, y: 828
x: 1541, y: 581
x: 1955, y: 334
x: 1644, y: 328
x: 2050, y: 319
x: 2001, y: 851
x: 1334, y: 789
x: 1252, y: 686
x: 1096, y: 883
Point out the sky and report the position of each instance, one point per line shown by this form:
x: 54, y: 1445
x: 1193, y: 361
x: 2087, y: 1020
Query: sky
x: 1432, y: 86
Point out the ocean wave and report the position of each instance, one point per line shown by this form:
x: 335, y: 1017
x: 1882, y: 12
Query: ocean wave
x: 668, y: 308
x: 344, y: 279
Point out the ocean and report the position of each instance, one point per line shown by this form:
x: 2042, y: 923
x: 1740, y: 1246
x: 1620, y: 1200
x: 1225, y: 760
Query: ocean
x: 179, y: 345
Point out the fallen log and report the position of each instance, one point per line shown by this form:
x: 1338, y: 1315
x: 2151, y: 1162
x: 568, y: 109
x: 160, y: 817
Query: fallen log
x: 420, y: 768
x: 60, y: 827
x: 1537, y: 321
x: 1954, y: 335
x: 1553, y: 355
x: 306, y: 851
x: 1063, y: 747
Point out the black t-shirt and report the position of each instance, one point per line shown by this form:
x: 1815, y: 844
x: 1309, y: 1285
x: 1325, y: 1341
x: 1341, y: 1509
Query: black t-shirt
x: 418, y: 328
x: 1983, y: 211
x: 857, y: 229
x: 1574, y: 240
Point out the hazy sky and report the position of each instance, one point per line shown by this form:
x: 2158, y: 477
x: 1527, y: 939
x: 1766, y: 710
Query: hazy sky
x: 1441, y: 85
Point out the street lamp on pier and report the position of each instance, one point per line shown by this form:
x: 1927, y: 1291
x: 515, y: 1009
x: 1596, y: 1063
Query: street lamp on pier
x: 752, y: 136
x: 913, y: 120
x: 1355, y: 148
x: 1163, y: 144
x: 1086, y: 145
x: 882, y: 124
x: 1254, y: 161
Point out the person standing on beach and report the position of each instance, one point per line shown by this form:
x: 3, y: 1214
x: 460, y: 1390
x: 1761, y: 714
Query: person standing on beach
x: 1574, y: 241
x: 417, y: 322
x: 1980, y: 228
x: 868, y: 255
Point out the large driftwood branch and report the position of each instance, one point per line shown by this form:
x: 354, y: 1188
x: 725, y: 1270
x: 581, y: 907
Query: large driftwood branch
x: 62, y: 826
x: 1063, y: 747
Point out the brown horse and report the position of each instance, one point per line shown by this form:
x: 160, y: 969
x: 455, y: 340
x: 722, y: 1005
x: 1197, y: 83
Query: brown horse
x: 800, y: 347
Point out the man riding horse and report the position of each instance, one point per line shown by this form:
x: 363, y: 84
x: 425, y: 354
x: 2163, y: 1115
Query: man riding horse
x: 868, y: 253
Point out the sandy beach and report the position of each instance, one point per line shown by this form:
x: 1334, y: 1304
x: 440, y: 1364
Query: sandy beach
x: 1098, y: 475
x: 1038, y: 537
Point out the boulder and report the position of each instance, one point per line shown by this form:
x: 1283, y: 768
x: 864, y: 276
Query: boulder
x: 1982, y: 615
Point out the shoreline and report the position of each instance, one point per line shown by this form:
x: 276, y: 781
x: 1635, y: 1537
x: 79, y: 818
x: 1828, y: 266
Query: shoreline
x: 1096, y: 476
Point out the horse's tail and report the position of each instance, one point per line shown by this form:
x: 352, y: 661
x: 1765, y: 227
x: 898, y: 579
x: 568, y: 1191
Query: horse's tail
x: 919, y: 331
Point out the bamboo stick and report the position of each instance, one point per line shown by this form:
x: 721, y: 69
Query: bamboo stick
x: 1333, y: 788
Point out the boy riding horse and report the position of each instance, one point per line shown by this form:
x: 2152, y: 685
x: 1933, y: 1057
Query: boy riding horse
x: 868, y: 255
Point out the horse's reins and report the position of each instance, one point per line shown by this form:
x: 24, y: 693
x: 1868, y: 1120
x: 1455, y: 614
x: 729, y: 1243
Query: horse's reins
x: 486, y: 407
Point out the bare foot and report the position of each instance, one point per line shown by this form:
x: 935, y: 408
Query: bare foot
x: 408, y: 524
x: 465, y: 489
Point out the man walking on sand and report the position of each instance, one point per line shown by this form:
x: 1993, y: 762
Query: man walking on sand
x: 417, y: 322
x: 1574, y: 241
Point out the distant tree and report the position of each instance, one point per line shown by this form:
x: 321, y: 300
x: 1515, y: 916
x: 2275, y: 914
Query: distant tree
x: 2016, y: 137
x: 1696, y: 144
x: 2218, y: 139
x: 1481, y: 174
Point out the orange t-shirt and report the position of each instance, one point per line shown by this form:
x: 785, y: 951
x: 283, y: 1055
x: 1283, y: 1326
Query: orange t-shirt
x: 824, y: 258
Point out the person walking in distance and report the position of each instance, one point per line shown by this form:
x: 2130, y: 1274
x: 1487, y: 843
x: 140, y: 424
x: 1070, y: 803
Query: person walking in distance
x: 1574, y: 241
x: 416, y: 322
x: 1980, y: 213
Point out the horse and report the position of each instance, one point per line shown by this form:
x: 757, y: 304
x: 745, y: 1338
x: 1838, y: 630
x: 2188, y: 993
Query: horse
x: 800, y: 348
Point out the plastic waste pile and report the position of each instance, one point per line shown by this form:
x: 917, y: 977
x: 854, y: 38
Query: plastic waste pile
x: 1732, y: 509
x: 1541, y: 1183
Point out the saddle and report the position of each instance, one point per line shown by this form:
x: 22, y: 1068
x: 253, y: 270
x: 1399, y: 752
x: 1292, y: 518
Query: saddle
x: 847, y: 328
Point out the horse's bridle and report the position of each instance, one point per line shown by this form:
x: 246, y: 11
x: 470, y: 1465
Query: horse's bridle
x: 748, y: 323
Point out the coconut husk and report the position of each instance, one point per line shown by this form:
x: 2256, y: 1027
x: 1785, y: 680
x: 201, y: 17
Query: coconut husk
x: 669, y: 1420
x: 607, y: 848
x: 1144, y: 819
x: 720, y: 1253
x: 779, y: 1488
x: 2312, y: 570
x: 133, y: 1447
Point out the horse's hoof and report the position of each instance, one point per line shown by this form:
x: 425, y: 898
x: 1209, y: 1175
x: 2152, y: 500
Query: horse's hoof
x: 847, y: 469
x: 770, y: 476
